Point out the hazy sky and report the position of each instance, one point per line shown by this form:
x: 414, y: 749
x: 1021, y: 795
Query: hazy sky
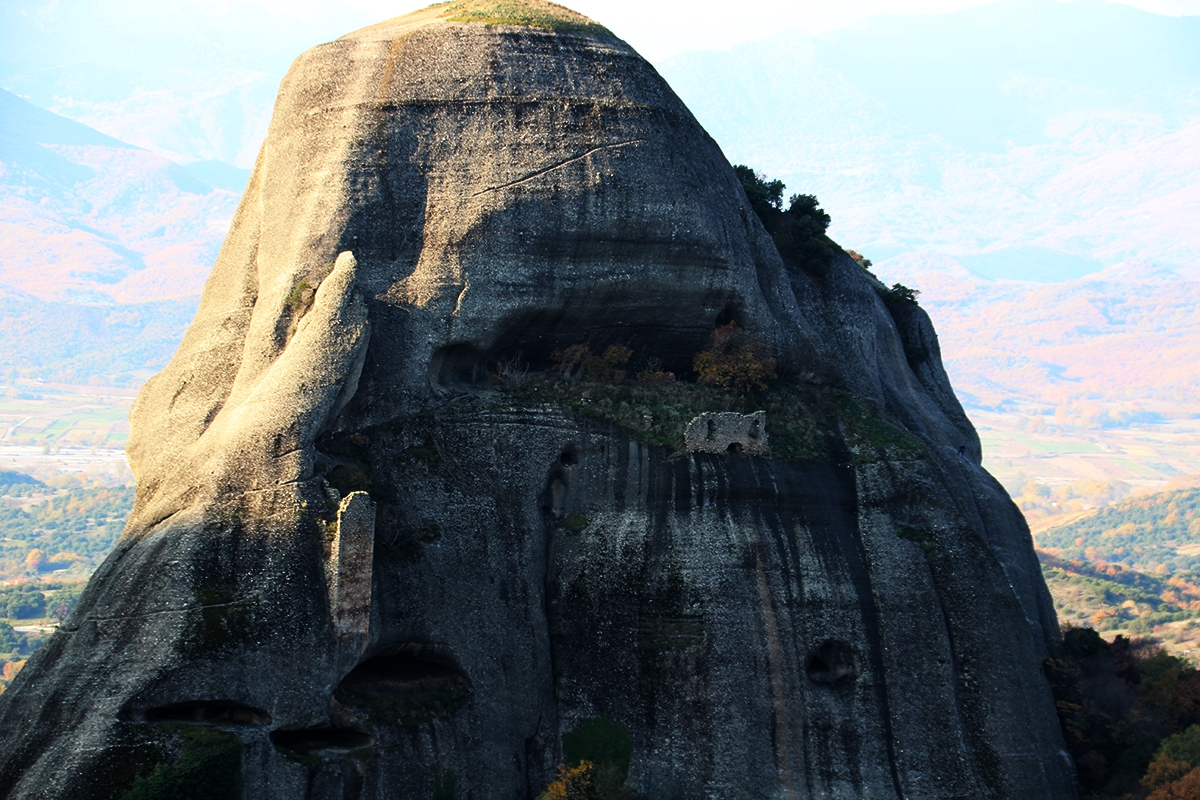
x: 153, y: 35
x: 661, y: 28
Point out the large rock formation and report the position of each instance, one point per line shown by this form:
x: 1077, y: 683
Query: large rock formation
x: 371, y: 557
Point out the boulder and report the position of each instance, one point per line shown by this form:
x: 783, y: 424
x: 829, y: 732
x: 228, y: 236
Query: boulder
x: 404, y: 529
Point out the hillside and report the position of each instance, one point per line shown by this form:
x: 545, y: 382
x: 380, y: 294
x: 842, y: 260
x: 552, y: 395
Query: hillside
x: 1113, y: 599
x: 105, y: 249
x: 1128, y: 334
x: 1158, y: 534
x: 1093, y: 379
x: 63, y: 530
x: 1129, y: 567
x: 1039, y: 140
x: 52, y: 537
x: 188, y: 81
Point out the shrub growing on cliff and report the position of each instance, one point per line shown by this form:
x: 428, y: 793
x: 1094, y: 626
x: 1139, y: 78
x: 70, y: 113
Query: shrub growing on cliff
x: 608, y: 368
x: 568, y: 360
x: 573, y: 783
x: 601, y: 742
x: 735, y: 361
x: 597, y: 753
x: 654, y: 375
x: 579, y: 360
x: 859, y: 259
x: 898, y: 295
x: 765, y: 196
x: 799, y: 230
x: 511, y: 373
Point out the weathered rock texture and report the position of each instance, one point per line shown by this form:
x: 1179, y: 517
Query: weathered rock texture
x: 858, y: 624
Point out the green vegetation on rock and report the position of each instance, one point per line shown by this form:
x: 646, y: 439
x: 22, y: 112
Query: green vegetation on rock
x: 218, y: 620
x: 898, y: 295
x: 804, y: 419
x: 531, y: 13
x: 573, y: 523
x: 209, y: 767
x: 799, y: 230
x: 921, y: 538
x: 597, y: 755
x: 600, y: 741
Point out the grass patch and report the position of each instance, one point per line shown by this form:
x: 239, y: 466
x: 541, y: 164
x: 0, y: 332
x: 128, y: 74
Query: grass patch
x: 530, y: 13
x: 867, y: 431
x: 803, y: 419
x: 573, y: 523
x: 300, y: 299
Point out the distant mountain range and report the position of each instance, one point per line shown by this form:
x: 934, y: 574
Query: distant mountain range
x: 105, y: 247
x: 88, y: 217
x: 1032, y: 139
x: 193, y: 81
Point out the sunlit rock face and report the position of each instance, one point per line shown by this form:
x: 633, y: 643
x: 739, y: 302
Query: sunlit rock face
x: 359, y: 566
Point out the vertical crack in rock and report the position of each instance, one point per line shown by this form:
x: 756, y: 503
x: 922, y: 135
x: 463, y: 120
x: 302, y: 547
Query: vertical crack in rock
x: 352, y: 557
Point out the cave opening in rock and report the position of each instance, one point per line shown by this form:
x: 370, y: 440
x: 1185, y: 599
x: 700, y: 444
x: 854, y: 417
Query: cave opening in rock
x: 407, y: 686
x: 458, y: 364
x: 330, y: 739
x: 528, y: 341
x: 210, y: 712
x: 833, y: 661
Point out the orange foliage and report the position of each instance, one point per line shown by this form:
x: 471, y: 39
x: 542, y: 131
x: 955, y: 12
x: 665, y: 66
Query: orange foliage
x: 735, y: 361
x: 34, y: 560
x: 11, y: 669
x: 1185, y: 788
x: 655, y: 375
x: 608, y: 368
x: 574, y: 783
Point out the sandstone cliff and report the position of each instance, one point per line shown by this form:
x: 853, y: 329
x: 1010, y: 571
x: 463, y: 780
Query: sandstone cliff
x: 361, y: 566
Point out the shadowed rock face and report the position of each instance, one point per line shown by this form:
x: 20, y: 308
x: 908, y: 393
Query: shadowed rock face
x: 385, y: 576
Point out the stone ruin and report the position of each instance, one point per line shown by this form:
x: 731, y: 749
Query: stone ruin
x: 728, y: 432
